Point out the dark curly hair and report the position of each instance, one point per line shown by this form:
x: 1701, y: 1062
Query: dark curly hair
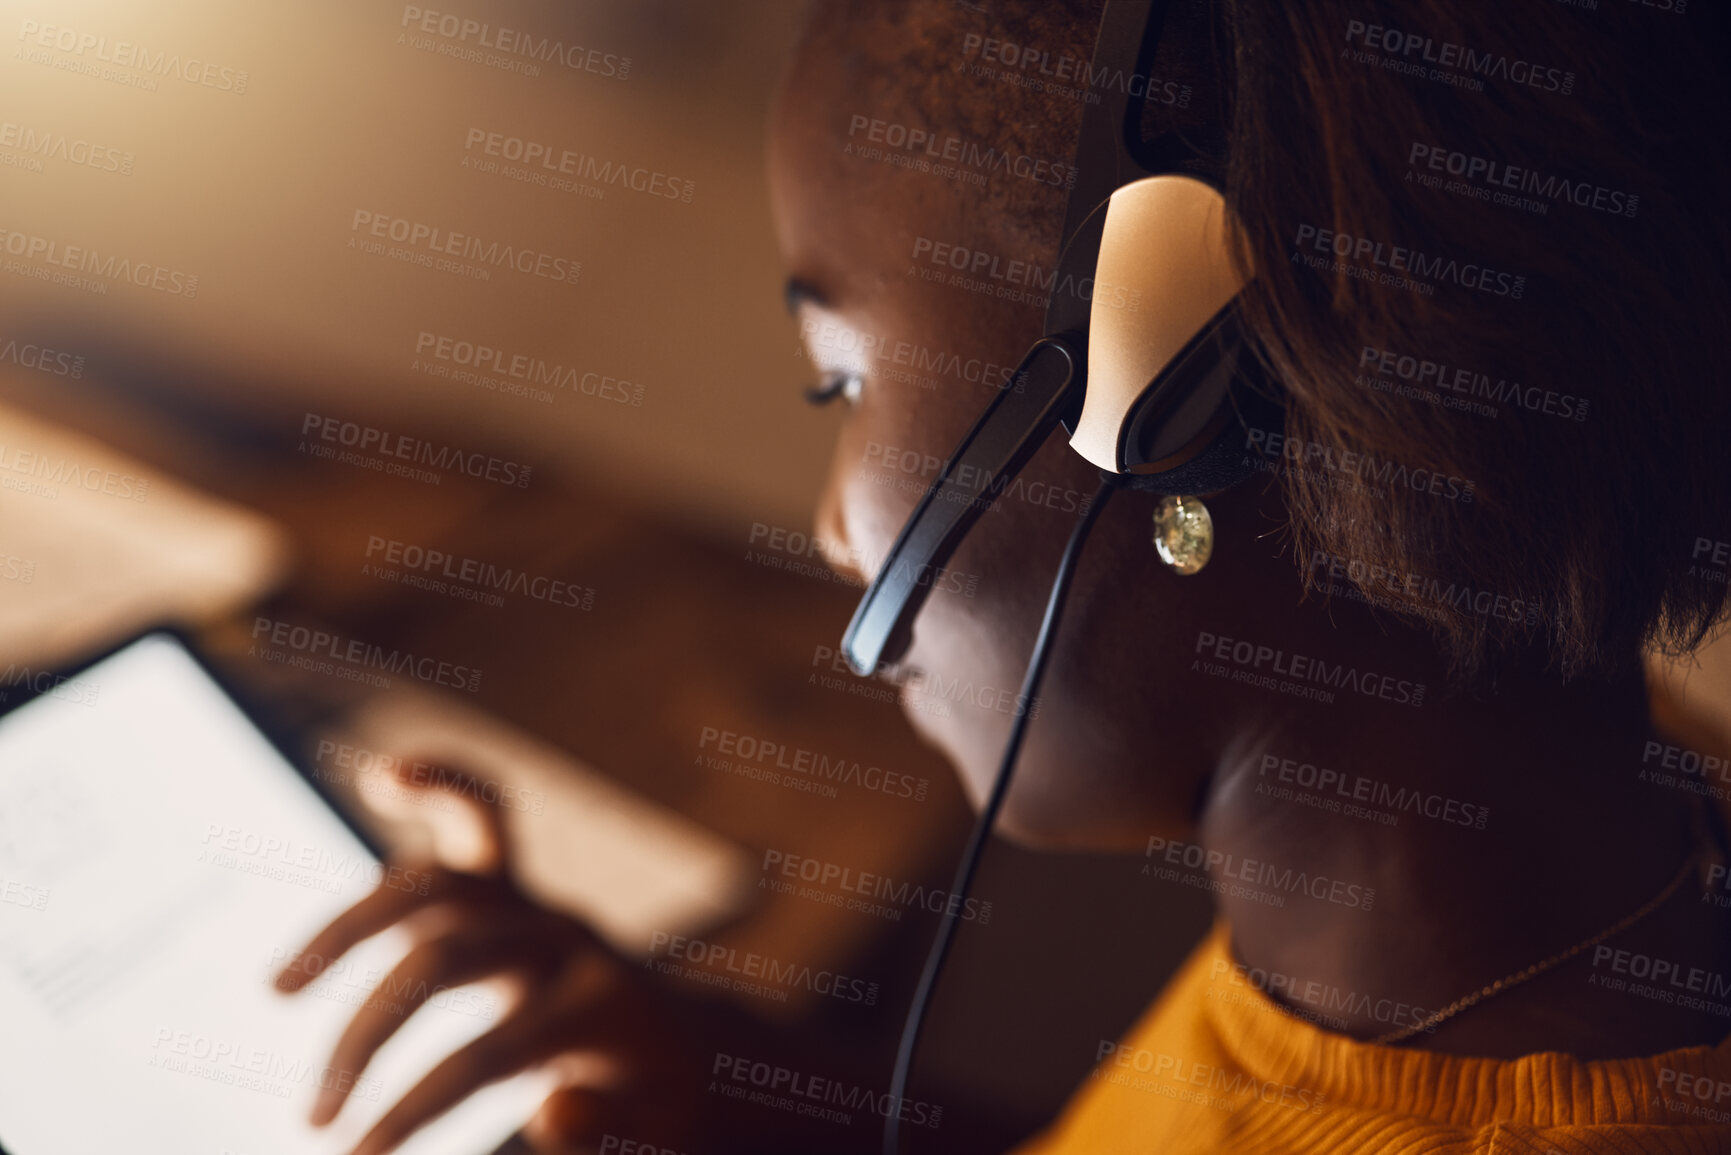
x: 1490, y: 243
x: 1594, y: 514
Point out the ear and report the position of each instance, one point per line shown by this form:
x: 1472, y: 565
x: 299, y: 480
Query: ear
x: 1163, y: 342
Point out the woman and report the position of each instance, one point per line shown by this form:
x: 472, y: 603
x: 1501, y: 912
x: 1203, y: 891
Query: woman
x: 1398, y: 720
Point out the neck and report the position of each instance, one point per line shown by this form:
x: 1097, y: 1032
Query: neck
x: 1412, y: 859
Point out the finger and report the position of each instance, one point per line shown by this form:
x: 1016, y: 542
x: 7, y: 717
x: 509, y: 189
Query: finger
x: 472, y: 836
x: 429, y: 967
x: 522, y: 1039
x: 384, y: 907
x: 572, y: 1119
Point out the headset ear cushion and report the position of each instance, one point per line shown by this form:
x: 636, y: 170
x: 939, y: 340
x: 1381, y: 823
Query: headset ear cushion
x: 1226, y: 461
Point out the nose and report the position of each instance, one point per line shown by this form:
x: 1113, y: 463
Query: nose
x: 830, y: 529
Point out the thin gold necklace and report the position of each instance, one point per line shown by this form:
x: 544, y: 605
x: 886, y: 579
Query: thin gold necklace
x: 1543, y: 965
x: 1561, y: 957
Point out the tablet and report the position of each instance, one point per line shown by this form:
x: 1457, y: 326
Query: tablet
x: 159, y: 859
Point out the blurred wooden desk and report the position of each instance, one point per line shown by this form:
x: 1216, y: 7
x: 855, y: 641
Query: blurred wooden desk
x: 685, y: 635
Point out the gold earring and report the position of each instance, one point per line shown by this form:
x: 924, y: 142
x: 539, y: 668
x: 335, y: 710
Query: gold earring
x: 1183, y: 533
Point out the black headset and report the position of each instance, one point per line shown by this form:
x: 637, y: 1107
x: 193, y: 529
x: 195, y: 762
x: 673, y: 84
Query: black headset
x: 1142, y: 347
x: 1145, y: 364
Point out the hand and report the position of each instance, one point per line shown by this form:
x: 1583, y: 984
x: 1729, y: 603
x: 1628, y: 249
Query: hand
x: 628, y: 1051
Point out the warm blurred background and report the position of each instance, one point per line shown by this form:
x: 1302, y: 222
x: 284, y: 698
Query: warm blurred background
x: 350, y: 108
x: 160, y: 459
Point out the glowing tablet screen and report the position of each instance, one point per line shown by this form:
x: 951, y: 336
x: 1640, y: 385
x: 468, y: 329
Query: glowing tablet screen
x: 158, y: 861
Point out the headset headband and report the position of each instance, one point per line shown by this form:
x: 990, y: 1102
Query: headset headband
x: 1175, y: 429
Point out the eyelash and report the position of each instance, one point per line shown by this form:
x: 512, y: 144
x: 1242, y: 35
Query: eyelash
x: 843, y: 385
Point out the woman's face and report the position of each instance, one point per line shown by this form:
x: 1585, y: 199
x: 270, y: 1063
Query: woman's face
x: 1128, y: 729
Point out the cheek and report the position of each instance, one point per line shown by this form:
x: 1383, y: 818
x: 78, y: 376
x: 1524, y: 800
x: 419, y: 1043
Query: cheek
x: 891, y: 448
x: 866, y: 500
x: 1081, y: 780
x: 973, y: 638
x: 1118, y: 744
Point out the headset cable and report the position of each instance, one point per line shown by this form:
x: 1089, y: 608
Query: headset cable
x: 988, y: 813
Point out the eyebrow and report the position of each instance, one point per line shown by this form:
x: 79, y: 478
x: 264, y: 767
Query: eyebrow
x: 798, y: 293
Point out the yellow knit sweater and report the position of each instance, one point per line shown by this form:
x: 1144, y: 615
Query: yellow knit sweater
x: 1218, y: 1066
